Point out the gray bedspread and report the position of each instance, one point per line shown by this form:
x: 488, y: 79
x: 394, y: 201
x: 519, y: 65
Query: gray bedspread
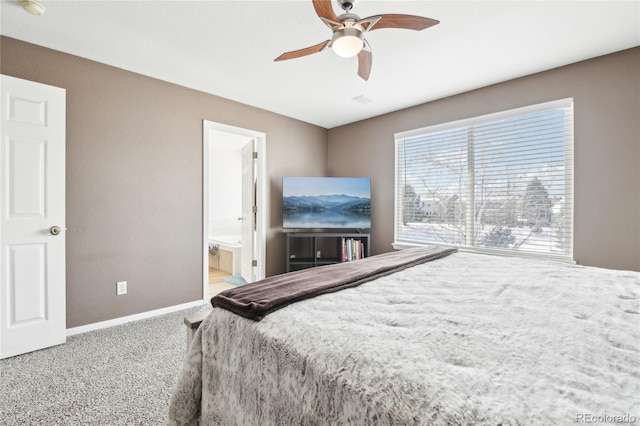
x: 464, y: 340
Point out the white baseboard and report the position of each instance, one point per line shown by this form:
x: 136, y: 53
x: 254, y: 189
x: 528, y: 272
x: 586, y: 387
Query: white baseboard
x: 130, y: 318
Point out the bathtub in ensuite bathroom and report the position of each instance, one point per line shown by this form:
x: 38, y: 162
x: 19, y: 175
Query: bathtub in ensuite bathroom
x: 230, y: 247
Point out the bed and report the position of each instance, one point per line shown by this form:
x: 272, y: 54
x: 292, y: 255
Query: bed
x: 464, y: 339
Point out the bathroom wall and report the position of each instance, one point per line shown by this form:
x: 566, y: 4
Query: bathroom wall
x: 225, y: 183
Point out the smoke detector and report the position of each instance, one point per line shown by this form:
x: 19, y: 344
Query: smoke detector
x: 33, y: 7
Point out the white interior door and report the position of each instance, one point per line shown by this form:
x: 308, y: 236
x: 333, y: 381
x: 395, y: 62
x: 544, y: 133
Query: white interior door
x: 32, y: 222
x: 248, y: 212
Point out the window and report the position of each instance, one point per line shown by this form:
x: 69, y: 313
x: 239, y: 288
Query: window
x: 501, y: 182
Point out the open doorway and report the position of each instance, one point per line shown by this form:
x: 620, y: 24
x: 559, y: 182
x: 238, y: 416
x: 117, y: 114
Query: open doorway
x: 233, y: 207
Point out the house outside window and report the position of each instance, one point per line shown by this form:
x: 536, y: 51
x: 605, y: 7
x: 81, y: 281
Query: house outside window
x: 499, y: 183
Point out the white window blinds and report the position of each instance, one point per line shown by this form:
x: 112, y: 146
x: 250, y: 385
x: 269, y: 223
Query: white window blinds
x: 501, y: 182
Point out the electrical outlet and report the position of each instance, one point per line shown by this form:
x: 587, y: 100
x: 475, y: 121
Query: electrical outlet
x: 121, y: 288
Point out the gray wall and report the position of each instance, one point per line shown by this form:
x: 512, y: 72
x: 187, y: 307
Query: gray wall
x: 134, y: 179
x: 606, y: 92
x: 134, y: 169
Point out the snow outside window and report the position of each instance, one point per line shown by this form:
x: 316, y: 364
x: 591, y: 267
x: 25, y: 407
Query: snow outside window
x: 501, y: 183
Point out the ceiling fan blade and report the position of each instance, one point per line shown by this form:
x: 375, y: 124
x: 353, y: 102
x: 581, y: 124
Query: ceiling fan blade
x: 325, y: 10
x: 365, y: 60
x: 407, y: 22
x: 303, y: 52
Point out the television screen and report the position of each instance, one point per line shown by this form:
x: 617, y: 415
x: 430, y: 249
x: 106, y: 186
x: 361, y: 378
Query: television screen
x: 326, y: 202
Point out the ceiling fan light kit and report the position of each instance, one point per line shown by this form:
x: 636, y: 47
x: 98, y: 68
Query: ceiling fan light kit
x: 33, y: 7
x: 347, y: 42
x: 348, y: 30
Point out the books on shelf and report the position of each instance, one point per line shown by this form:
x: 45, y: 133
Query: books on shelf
x: 352, y: 249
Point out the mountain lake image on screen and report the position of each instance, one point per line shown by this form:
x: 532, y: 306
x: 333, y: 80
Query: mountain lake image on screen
x: 326, y: 202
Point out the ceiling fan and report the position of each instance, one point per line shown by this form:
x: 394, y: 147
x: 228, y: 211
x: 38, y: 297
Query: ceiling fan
x: 348, y: 32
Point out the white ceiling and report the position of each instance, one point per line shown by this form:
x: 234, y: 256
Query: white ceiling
x: 227, y: 48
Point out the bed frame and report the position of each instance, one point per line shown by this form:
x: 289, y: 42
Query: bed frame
x: 193, y: 322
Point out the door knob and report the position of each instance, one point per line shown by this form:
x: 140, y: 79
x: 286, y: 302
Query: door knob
x: 55, y: 230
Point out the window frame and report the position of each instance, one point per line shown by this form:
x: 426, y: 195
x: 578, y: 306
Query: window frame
x: 496, y: 116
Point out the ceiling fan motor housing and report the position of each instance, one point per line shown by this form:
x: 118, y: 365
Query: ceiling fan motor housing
x: 347, y: 5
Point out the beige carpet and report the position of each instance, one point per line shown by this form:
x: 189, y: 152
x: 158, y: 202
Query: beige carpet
x: 122, y: 375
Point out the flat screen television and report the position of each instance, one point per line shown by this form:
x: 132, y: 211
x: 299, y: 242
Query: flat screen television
x: 326, y: 202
